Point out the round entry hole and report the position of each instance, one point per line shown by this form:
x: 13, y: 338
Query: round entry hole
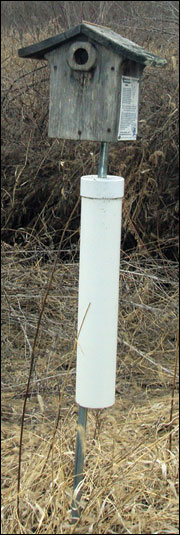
x: 81, y: 56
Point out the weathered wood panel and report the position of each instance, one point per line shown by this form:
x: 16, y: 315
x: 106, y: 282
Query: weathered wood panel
x: 84, y: 104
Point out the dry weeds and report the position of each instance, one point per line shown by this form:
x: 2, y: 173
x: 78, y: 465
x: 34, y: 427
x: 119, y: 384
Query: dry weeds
x: 131, y: 476
x: 131, y: 465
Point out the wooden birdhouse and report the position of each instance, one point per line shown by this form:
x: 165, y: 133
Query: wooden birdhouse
x: 94, y: 83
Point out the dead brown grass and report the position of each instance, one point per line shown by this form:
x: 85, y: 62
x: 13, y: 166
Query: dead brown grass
x: 131, y: 477
x: 131, y: 465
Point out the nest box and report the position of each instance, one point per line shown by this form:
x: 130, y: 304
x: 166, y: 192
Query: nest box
x: 94, y: 82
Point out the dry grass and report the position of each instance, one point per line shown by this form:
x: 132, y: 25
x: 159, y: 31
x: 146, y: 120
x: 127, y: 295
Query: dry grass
x: 131, y: 465
x: 131, y: 477
x: 130, y: 480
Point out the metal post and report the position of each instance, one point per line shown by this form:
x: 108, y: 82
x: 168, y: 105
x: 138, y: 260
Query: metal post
x: 82, y: 416
x: 79, y: 460
x: 103, y: 159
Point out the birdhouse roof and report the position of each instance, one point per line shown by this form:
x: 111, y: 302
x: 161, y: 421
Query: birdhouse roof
x: 99, y: 34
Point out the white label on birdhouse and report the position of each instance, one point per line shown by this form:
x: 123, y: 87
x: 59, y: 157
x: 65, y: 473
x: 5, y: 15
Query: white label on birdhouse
x: 128, y: 121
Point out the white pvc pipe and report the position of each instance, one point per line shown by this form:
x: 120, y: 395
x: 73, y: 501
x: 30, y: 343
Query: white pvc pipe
x: 101, y: 204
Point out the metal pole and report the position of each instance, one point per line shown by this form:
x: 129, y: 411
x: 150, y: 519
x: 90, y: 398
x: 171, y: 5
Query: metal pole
x: 82, y: 416
x: 103, y: 159
x: 79, y: 461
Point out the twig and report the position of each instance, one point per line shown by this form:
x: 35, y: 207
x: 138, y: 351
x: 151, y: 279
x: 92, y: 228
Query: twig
x: 141, y: 354
x: 173, y: 389
x: 33, y: 353
x: 63, y: 388
x: 17, y: 181
x: 20, y: 77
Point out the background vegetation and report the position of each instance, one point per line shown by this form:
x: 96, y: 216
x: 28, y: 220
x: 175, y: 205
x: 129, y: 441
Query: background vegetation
x: 131, y: 462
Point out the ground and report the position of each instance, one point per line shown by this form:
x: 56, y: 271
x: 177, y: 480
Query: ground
x: 131, y: 461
